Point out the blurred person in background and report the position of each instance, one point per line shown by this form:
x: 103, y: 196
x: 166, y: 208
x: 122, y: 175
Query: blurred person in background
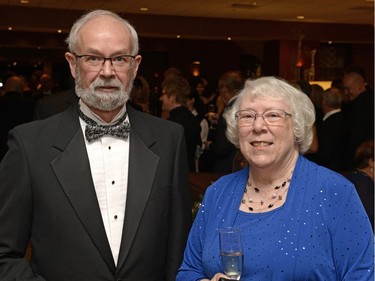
x: 363, y: 176
x: 175, y: 93
x: 360, y: 114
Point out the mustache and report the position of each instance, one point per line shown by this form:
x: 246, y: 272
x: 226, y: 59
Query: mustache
x: 106, y: 83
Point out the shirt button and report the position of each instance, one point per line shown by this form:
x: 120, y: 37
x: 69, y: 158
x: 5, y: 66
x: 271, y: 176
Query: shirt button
x: 109, y: 148
x: 113, y: 182
x: 115, y: 217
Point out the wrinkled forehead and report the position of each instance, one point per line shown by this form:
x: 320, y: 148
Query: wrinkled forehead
x: 254, y: 101
x: 104, y: 31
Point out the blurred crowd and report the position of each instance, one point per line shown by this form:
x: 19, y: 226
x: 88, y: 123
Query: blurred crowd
x: 344, y: 114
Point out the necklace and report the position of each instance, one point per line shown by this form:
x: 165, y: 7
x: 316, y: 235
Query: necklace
x: 277, y: 194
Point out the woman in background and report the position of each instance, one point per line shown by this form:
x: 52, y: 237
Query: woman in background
x: 363, y: 176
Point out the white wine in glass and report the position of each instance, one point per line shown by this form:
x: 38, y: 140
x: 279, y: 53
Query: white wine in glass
x: 231, y: 252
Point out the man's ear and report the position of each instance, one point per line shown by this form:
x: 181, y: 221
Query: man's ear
x: 173, y: 99
x: 72, y: 63
x: 137, y: 62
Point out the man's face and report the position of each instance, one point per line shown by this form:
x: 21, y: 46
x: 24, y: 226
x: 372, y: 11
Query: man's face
x: 352, y: 87
x: 105, y: 88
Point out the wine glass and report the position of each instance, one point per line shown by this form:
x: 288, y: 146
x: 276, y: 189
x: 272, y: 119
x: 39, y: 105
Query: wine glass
x: 231, y: 252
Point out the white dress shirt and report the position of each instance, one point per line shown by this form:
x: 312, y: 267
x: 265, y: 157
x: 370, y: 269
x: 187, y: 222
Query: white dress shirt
x: 109, y: 162
x: 328, y: 114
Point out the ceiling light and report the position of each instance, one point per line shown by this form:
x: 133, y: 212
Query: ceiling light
x: 10, y: 28
x: 59, y: 31
x: 229, y: 38
x: 178, y: 36
x: 24, y: 1
x: 144, y: 9
x: 244, y: 6
x: 301, y: 17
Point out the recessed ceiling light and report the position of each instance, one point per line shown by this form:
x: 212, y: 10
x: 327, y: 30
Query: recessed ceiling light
x: 24, y: 1
x: 229, y: 38
x: 178, y: 36
x: 59, y: 31
x: 10, y: 28
x: 301, y: 17
x: 143, y: 9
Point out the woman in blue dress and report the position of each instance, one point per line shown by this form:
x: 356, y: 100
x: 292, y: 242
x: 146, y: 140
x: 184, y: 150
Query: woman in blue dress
x: 299, y: 221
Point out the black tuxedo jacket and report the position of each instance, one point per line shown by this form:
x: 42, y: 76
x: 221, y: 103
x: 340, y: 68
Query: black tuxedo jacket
x: 47, y: 196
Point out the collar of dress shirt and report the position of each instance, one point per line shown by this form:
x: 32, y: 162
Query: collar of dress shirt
x: 328, y: 114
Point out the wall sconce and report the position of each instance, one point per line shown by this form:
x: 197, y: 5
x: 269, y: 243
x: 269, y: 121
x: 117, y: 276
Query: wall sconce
x: 195, y: 67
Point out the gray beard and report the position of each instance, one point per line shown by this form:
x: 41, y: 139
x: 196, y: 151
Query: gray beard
x: 103, y: 101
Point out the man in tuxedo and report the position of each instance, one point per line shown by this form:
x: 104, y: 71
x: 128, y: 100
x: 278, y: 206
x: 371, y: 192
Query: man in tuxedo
x: 332, y: 134
x: 360, y: 111
x: 96, y: 206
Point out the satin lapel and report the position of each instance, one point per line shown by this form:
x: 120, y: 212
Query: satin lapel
x: 73, y: 172
x: 142, y: 168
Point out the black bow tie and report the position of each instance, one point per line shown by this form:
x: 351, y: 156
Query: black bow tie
x: 94, y: 131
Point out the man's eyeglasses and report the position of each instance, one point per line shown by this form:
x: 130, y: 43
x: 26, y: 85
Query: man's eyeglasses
x: 271, y: 117
x: 120, y: 62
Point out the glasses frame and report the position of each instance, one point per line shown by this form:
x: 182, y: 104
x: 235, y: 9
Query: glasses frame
x: 107, y: 58
x: 260, y: 115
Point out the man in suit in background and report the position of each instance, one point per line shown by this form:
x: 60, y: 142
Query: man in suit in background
x: 15, y: 109
x: 333, y: 133
x: 223, y: 151
x: 51, y: 105
x: 96, y: 206
x: 175, y: 92
x: 360, y: 112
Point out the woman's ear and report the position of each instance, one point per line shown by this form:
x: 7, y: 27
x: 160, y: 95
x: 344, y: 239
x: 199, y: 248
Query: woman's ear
x: 370, y: 162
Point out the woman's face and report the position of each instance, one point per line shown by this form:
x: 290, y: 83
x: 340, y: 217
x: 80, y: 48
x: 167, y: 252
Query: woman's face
x: 200, y: 88
x: 267, y: 146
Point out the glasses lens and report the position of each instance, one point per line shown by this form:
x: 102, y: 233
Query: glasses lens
x: 122, y: 62
x: 118, y: 62
x: 245, y: 117
x: 270, y: 117
x: 274, y: 116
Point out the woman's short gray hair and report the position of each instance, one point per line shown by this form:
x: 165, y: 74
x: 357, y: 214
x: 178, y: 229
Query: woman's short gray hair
x: 73, y: 35
x: 302, y: 109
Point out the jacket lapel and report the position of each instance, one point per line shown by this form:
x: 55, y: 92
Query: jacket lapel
x: 142, y: 168
x: 73, y: 172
